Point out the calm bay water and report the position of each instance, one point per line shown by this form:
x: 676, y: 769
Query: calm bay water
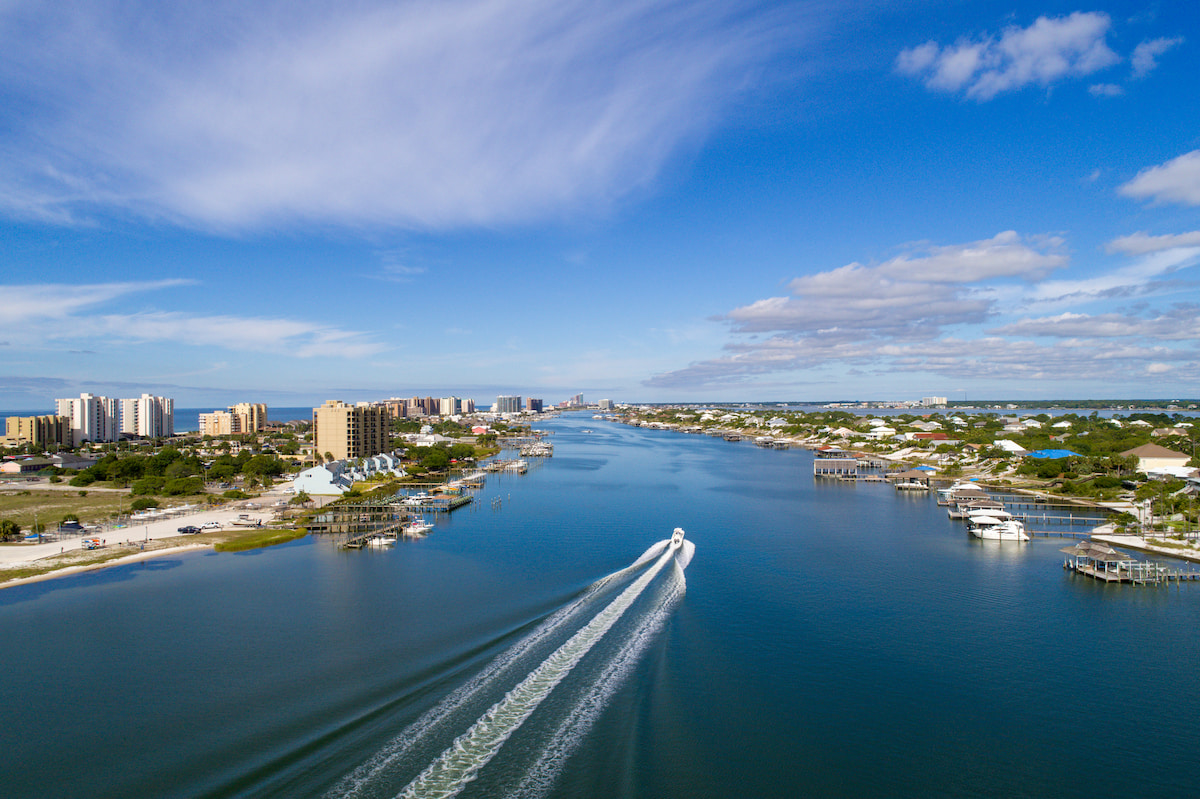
x: 832, y: 640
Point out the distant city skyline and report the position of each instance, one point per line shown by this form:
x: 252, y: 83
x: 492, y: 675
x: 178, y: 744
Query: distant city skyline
x: 649, y: 202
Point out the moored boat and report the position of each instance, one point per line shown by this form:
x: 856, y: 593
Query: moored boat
x: 991, y: 528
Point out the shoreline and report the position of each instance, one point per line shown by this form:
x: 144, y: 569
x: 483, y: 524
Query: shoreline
x: 132, y: 557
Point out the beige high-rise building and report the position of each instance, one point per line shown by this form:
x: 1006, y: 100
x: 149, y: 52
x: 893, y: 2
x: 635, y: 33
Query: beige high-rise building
x: 252, y: 416
x: 50, y: 432
x: 244, y: 417
x: 350, y: 431
x: 217, y: 423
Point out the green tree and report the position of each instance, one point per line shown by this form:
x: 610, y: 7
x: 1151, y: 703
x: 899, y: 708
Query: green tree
x: 9, y: 530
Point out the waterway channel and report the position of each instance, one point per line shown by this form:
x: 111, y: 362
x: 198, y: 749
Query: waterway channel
x: 827, y: 639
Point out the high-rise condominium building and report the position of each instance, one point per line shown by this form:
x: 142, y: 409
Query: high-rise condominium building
x: 245, y: 417
x: 350, y: 431
x: 148, y: 417
x: 92, y: 418
x: 252, y: 416
x: 508, y: 404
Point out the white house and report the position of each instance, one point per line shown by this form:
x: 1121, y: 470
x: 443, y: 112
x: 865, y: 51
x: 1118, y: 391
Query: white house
x: 323, y: 480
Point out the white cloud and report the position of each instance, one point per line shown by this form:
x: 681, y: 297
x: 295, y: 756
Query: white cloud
x: 1177, y: 181
x: 1105, y: 364
x: 434, y: 115
x: 1182, y: 325
x: 1141, y: 243
x: 21, y: 305
x: 59, y: 312
x: 277, y: 336
x: 1145, y: 56
x: 1143, y: 276
x: 1105, y: 90
x: 912, y: 295
x: 897, y: 316
x: 1049, y: 50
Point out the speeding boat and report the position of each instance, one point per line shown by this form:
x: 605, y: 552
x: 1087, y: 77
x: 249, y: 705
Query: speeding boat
x: 677, y: 538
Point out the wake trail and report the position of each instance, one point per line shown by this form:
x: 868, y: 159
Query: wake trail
x: 566, y: 738
x: 472, y: 750
x: 353, y: 784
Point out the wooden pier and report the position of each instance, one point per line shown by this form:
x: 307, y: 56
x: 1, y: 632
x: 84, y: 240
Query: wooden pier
x: 1100, y: 561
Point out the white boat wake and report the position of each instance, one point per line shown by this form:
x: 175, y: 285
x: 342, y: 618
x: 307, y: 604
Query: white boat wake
x: 461, y: 762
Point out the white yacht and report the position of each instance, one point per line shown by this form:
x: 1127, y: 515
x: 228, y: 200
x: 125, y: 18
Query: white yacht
x: 991, y: 528
x: 677, y: 538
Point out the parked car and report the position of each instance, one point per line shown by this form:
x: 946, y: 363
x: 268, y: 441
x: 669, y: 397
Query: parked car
x: 211, y: 526
x: 189, y: 529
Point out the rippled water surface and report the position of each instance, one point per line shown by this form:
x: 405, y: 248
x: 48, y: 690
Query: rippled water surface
x: 826, y: 639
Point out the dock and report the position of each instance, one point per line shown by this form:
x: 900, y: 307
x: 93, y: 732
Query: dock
x: 1100, y: 561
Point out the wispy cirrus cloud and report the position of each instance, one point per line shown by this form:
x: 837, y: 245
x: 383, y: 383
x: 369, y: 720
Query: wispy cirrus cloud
x: 1049, y: 50
x: 246, y: 334
x: 62, y: 312
x: 21, y: 304
x: 1176, y: 181
x: 460, y: 113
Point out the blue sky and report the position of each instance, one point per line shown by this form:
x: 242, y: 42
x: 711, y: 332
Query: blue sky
x: 644, y: 201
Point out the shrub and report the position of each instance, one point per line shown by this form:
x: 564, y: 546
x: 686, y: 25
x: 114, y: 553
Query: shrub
x: 147, y: 485
x: 142, y: 503
x: 183, y: 485
x: 235, y: 493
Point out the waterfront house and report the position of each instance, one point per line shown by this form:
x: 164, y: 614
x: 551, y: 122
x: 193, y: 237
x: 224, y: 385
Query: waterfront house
x: 329, y: 478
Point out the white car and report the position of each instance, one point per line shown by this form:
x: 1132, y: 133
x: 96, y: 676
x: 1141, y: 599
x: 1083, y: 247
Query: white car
x: 211, y: 526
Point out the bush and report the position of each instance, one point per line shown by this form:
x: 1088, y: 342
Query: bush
x: 235, y: 493
x: 183, y: 485
x: 142, y: 503
x: 147, y: 485
x: 84, y: 478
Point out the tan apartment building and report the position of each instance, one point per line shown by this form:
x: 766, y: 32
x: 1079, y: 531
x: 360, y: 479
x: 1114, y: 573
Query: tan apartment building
x: 351, y: 431
x: 252, y: 416
x: 46, y: 432
x: 244, y: 417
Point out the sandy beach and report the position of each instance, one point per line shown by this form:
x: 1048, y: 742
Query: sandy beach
x: 146, y: 538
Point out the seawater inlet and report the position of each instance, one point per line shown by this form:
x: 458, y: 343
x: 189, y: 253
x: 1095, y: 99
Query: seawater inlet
x: 606, y: 634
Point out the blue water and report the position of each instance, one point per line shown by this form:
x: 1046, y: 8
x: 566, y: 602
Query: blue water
x: 826, y: 640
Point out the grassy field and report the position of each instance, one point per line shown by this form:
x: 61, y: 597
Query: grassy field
x: 258, y: 539
x: 51, y: 506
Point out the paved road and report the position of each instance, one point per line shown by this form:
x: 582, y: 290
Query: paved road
x: 150, y: 528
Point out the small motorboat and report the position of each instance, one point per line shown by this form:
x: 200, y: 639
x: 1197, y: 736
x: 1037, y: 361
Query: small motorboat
x: 677, y: 538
